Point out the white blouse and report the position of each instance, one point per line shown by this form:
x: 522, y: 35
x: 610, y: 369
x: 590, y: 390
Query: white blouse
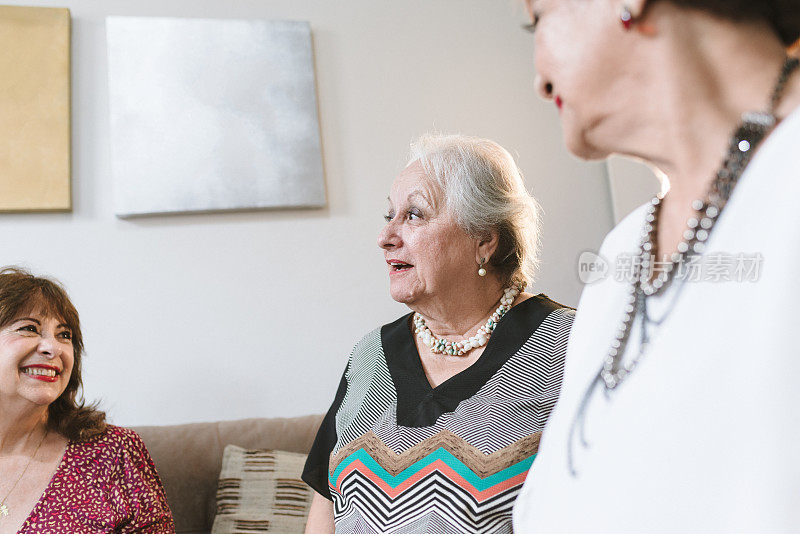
x: 704, y: 436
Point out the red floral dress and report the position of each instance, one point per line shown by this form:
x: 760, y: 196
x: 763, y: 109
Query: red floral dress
x: 107, y: 484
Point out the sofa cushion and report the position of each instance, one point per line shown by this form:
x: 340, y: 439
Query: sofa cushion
x: 188, y: 458
x: 261, y: 490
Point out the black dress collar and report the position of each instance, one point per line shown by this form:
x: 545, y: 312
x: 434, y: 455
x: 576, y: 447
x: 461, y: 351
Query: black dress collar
x: 419, y: 404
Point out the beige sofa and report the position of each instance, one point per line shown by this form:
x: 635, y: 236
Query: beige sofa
x: 189, y: 457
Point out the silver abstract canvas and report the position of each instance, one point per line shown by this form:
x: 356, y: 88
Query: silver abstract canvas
x: 210, y: 115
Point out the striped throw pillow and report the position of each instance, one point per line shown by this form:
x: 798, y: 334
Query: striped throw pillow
x: 261, y: 491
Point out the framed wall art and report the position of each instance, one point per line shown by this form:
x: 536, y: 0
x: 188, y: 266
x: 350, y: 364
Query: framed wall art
x: 212, y: 115
x: 34, y: 109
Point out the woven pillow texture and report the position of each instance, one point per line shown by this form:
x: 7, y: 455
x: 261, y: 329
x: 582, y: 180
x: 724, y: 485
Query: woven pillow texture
x: 261, y: 491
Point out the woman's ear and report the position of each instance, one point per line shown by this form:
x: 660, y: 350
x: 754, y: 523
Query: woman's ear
x: 487, y: 246
x: 637, y: 10
x: 635, y: 7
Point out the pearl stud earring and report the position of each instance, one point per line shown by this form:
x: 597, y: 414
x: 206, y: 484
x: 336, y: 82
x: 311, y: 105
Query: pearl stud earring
x: 481, y: 270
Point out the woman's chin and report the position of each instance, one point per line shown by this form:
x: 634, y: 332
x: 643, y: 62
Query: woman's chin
x: 578, y: 142
x: 403, y: 299
x: 41, y: 399
x: 402, y: 295
x: 42, y: 396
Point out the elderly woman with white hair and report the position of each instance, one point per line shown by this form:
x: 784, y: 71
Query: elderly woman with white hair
x: 438, y: 415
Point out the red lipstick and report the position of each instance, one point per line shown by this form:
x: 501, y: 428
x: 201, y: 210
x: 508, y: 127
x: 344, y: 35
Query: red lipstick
x: 397, y: 266
x: 559, y: 102
x: 42, y: 377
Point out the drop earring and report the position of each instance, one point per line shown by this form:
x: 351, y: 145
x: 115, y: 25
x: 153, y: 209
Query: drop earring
x: 626, y: 17
x: 481, y: 270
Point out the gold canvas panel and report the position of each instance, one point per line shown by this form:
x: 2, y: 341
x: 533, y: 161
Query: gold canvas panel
x: 34, y: 109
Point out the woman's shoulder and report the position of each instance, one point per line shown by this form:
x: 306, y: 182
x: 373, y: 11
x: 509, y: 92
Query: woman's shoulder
x: 114, y: 442
x: 562, y: 317
x: 103, y: 457
x: 116, y: 466
x: 370, y: 349
x: 547, y: 309
x: 117, y: 436
x: 544, y: 322
x: 371, y: 341
x: 123, y: 437
x: 557, y: 327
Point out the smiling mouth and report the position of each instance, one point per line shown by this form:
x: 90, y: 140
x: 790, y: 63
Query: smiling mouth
x: 46, y: 374
x: 398, y: 266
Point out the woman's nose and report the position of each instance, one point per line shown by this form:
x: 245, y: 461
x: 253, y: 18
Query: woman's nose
x: 49, y: 346
x: 388, y: 238
x: 544, y: 87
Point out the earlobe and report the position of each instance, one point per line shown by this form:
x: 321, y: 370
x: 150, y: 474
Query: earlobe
x: 487, y: 247
x: 635, y: 7
x: 631, y: 12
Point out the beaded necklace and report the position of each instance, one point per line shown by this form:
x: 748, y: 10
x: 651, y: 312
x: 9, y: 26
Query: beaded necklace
x: 753, y: 129
x: 460, y: 348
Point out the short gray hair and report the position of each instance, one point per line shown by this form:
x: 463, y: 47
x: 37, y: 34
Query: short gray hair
x: 484, y: 192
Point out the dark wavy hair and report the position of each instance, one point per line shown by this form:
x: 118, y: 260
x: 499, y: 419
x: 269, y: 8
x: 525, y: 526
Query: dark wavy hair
x: 782, y: 15
x: 22, y: 292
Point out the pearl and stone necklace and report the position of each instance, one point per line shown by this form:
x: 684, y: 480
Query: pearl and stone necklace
x: 460, y: 348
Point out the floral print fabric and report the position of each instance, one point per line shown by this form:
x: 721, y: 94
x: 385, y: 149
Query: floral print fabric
x: 106, y: 484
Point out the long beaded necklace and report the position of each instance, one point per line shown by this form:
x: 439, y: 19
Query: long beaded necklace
x: 755, y: 126
x: 460, y: 348
x: 753, y: 129
x: 4, y: 511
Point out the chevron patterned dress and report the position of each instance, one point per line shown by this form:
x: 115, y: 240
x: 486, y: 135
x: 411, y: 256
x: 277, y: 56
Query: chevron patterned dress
x: 398, y: 456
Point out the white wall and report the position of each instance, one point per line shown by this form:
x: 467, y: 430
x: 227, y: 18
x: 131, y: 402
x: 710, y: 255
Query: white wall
x: 206, y: 317
x: 632, y: 184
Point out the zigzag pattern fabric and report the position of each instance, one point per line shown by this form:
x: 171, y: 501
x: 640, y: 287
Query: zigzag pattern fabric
x: 463, y: 472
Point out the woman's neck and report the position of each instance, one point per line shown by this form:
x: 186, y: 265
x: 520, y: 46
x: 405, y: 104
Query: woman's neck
x: 16, y: 429
x: 704, y: 74
x: 460, y: 314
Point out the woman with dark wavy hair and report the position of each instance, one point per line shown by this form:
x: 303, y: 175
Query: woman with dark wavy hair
x: 62, y: 468
x: 679, y: 408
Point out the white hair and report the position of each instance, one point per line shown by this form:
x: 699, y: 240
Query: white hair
x: 483, y: 190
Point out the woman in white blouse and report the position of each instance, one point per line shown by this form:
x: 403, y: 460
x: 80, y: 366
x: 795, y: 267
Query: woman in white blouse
x: 679, y: 407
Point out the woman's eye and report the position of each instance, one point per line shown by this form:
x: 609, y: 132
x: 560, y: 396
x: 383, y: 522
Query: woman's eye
x: 66, y: 334
x: 411, y: 215
x: 28, y: 328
